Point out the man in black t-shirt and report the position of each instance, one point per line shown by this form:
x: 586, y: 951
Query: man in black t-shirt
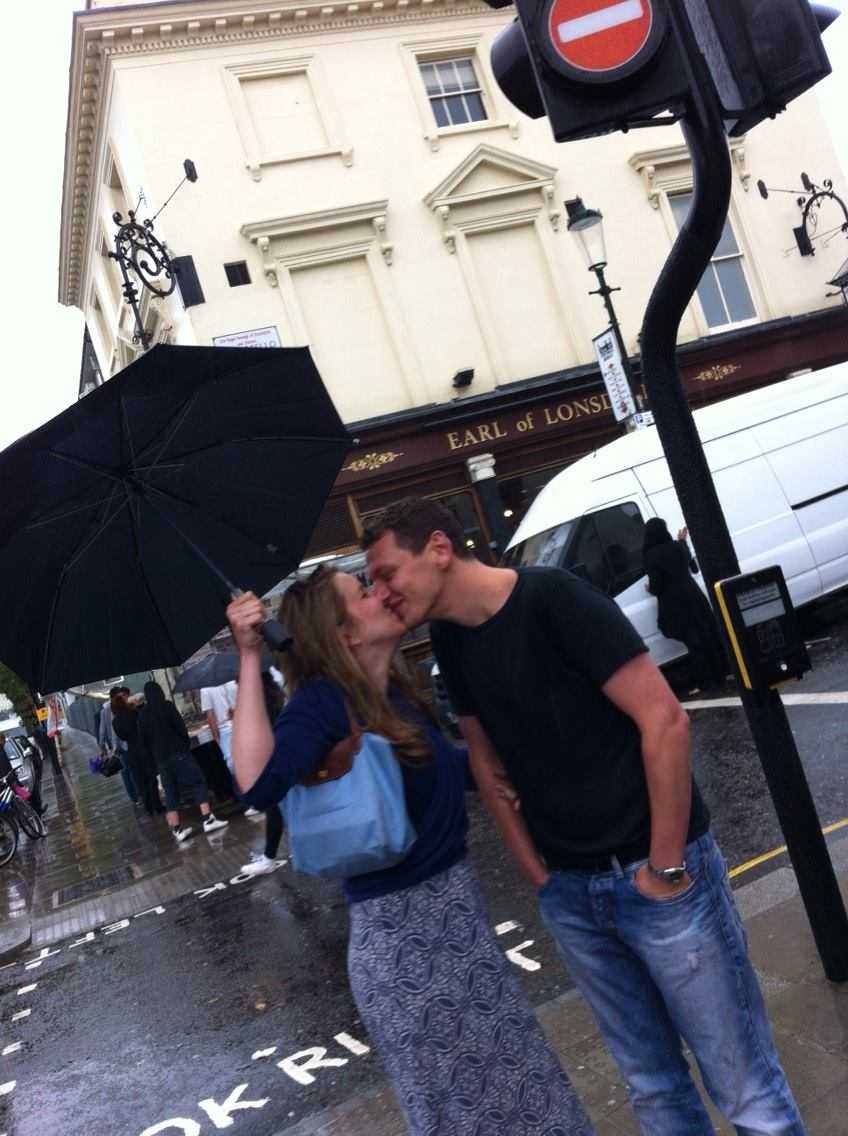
x: 552, y: 685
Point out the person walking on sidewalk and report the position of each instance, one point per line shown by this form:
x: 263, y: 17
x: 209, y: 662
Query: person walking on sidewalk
x: 112, y: 745
x: 140, y: 762
x: 433, y: 986
x: 218, y: 703
x: 163, y: 733
x: 265, y: 863
x: 549, y: 677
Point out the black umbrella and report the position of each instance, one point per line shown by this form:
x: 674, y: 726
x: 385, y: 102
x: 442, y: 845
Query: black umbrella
x: 112, y: 513
x: 215, y: 670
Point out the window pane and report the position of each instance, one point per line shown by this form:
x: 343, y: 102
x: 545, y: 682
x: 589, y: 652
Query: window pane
x: 447, y: 76
x: 474, y: 108
x: 428, y: 74
x: 465, y: 71
x: 680, y: 204
x: 456, y: 110
x: 587, y: 558
x: 710, y: 297
x: 439, y: 112
x: 727, y: 245
x: 737, y: 298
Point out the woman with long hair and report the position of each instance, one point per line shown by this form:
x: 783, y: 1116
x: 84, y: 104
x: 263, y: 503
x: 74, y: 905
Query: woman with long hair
x: 429, y: 977
x: 138, y: 760
x: 163, y: 734
x: 683, y: 611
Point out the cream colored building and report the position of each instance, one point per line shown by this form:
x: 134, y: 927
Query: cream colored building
x: 365, y: 187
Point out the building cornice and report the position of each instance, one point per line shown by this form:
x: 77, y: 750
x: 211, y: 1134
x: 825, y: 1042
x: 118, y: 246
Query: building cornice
x: 102, y: 36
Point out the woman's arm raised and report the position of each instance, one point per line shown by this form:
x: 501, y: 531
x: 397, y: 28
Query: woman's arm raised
x: 253, y: 739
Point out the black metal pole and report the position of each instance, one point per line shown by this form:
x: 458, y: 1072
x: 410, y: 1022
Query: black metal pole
x: 704, y: 133
x: 605, y: 291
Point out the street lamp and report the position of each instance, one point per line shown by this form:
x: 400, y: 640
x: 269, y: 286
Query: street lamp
x: 586, y: 226
x: 140, y: 252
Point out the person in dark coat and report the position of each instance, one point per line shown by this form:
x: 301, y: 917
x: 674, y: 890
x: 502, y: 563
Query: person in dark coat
x: 164, y: 735
x: 683, y: 611
x: 140, y: 763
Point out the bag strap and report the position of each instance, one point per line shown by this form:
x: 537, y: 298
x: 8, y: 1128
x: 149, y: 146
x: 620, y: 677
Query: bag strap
x: 339, y: 761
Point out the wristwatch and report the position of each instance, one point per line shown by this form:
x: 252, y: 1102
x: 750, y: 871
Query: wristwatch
x: 668, y: 875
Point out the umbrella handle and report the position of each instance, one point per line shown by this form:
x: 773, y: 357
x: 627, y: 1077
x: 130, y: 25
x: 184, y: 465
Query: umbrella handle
x: 272, y: 631
x: 275, y: 635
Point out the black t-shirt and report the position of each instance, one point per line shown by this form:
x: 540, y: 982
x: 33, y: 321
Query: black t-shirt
x: 532, y: 676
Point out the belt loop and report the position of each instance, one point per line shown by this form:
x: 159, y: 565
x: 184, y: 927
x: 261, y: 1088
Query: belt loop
x: 616, y: 867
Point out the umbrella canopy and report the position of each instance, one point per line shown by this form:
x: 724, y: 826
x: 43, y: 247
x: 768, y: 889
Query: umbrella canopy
x: 111, y: 513
x: 214, y: 670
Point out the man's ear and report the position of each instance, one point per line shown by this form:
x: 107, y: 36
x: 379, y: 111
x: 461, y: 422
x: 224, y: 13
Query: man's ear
x: 442, y: 548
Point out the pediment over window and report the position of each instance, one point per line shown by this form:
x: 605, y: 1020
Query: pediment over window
x: 488, y: 173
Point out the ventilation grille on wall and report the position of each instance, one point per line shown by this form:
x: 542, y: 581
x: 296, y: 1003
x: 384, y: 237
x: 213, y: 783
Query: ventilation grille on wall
x: 237, y: 273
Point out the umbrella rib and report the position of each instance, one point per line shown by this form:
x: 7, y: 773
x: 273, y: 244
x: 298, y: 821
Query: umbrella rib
x: 52, y: 617
x: 172, y: 497
x: 202, y: 450
x: 174, y: 425
x: 141, y: 576
x: 126, y: 432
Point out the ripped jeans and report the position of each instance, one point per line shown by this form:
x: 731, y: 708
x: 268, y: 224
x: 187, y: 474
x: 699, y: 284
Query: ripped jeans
x: 656, y: 971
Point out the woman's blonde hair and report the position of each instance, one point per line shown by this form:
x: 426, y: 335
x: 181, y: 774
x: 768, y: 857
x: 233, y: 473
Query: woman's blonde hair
x: 313, y: 612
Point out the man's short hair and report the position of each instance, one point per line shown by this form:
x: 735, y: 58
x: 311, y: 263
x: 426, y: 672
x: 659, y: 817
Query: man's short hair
x: 412, y: 521
x: 119, y: 690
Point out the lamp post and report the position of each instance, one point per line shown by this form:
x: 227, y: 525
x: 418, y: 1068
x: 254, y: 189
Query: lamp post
x: 586, y: 226
x: 140, y: 252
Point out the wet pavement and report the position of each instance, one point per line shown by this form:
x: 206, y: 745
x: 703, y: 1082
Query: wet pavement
x: 164, y: 993
x: 104, y: 858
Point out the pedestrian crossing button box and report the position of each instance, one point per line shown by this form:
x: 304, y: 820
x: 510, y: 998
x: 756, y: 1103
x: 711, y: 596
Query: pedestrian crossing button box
x: 763, y: 628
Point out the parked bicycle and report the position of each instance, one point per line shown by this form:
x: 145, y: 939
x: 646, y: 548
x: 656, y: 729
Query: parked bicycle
x: 8, y: 835
x: 20, y: 811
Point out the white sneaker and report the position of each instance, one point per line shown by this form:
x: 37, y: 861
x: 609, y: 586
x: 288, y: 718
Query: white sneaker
x: 183, y: 832
x: 261, y: 866
x: 252, y: 812
x: 212, y: 824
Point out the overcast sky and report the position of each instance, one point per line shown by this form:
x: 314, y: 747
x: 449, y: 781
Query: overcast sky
x: 43, y: 340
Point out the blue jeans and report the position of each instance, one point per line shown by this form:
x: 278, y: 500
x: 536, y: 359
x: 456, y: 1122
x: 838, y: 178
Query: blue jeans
x: 655, y: 971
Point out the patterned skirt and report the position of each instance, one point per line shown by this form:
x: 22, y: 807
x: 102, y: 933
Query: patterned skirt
x: 449, y: 1019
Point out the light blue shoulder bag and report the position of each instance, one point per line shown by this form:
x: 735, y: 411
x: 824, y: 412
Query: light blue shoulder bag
x: 349, y: 815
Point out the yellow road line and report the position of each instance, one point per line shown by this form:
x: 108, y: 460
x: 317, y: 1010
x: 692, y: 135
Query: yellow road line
x: 746, y: 867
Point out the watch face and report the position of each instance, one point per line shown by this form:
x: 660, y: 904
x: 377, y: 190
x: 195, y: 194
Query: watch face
x: 673, y: 875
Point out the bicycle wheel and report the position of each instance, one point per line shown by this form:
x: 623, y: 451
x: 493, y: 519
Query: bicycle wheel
x: 28, y: 819
x: 8, y: 839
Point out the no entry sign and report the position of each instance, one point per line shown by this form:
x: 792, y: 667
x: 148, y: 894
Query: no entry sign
x: 602, y: 40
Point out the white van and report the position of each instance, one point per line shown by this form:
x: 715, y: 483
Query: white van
x: 779, y: 459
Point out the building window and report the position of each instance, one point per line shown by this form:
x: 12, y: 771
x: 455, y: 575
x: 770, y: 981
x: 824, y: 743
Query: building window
x: 723, y: 290
x: 453, y: 90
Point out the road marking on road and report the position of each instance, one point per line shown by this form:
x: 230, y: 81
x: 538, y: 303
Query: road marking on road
x: 827, y: 698
x: 21, y: 1014
x: 13, y: 1048
x: 28, y: 989
x: 746, y: 867
x: 7, y: 1088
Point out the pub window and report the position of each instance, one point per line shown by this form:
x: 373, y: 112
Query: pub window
x: 723, y: 291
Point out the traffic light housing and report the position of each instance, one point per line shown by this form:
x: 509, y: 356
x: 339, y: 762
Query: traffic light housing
x: 597, y: 66
x: 761, y: 53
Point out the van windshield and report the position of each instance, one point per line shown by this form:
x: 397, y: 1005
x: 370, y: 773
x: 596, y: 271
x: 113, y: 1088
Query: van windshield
x: 604, y: 547
x: 545, y: 548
